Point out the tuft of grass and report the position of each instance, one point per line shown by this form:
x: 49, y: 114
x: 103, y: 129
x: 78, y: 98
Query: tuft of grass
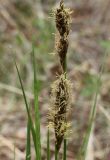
x: 28, y: 111
x: 30, y: 126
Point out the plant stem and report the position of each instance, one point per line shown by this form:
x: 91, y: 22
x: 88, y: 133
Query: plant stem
x: 64, y: 150
x: 65, y: 141
x: 48, y: 145
x: 56, y: 153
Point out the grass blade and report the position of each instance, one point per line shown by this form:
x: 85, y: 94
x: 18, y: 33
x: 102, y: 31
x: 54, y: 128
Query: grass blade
x: 36, y: 105
x: 82, y: 154
x: 48, y: 145
x: 86, y: 139
x: 27, y: 109
x: 28, y: 145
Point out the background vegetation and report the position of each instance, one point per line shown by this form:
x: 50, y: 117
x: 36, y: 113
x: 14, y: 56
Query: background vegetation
x: 21, y: 22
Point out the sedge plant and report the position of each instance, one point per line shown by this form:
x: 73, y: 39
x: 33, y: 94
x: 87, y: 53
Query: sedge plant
x: 61, y: 88
x: 60, y: 94
x: 60, y: 100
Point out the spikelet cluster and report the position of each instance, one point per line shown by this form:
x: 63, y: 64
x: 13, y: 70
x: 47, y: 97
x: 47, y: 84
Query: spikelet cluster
x: 61, y: 88
x: 59, y: 108
x: 63, y: 20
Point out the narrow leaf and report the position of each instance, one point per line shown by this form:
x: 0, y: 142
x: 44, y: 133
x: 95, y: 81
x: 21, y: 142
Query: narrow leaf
x: 36, y: 105
x: 27, y: 109
x: 82, y: 154
x: 28, y: 145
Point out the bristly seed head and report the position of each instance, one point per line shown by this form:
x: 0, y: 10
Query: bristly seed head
x: 59, y: 108
x: 61, y: 89
x: 63, y: 20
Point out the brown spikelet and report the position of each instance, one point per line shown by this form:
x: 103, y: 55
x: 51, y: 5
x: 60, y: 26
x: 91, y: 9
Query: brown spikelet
x: 60, y: 105
x: 61, y: 88
x: 62, y: 18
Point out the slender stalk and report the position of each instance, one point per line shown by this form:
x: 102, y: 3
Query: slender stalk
x: 65, y: 65
x: 48, y: 145
x: 56, y: 153
x: 65, y: 140
x: 64, y: 149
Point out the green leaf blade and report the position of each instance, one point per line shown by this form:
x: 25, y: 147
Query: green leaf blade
x: 27, y: 108
x: 28, y: 145
x: 37, y: 113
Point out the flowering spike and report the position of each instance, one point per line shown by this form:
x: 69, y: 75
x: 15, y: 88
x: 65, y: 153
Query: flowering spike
x: 60, y: 105
x: 62, y: 18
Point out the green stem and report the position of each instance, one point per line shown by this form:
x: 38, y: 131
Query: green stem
x: 65, y: 67
x: 28, y: 145
x: 56, y: 153
x: 48, y: 145
x: 64, y: 149
x: 65, y: 141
